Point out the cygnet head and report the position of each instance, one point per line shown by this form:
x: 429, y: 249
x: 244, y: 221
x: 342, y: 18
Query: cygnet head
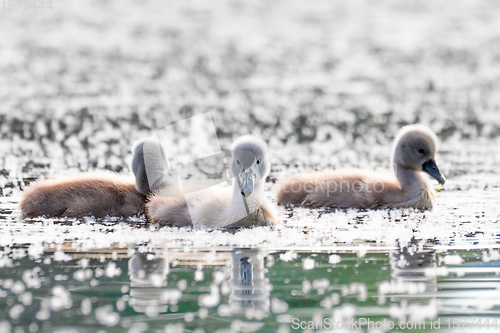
x: 250, y: 164
x: 415, y: 148
x: 147, y: 160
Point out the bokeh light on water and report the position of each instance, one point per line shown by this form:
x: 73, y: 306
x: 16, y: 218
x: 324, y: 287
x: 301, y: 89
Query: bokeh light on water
x: 326, y: 84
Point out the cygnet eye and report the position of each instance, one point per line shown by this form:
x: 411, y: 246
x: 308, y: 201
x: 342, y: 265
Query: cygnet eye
x: 258, y: 161
x: 237, y: 162
x: 421, y: 151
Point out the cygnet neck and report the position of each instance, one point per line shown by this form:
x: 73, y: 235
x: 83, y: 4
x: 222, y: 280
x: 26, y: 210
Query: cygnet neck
x: 253, y: 200
x: 409, y: 180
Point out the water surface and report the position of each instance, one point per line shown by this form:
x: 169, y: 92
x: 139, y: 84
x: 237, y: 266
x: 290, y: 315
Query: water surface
x: 327, y: 85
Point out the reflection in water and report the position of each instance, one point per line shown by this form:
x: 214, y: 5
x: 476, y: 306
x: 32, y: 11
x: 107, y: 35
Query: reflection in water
x: 448, y: 285
x: 409, y: 267
x: 147, y: 276
x: 410, y: 282
x: 144, y: 272
x: 249, y: 289
x: 470, y: 288
x: 231, y: 288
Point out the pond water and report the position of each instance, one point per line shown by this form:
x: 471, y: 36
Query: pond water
x: 398, y: 270
x: 327, y: 85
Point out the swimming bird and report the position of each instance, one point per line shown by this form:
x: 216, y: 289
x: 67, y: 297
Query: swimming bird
x: 241, y: 204
x: 413, y: 153
x: 97, y: 194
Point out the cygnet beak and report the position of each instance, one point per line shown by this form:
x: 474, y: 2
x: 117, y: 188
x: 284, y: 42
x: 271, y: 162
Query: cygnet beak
x: 247, y: 180
x: 431, y: 168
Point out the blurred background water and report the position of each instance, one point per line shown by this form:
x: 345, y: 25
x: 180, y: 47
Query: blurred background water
x: 326, y: 84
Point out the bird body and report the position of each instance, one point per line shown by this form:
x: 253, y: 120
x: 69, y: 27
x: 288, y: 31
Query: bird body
x: 96, y: 194
x: 215, y: 207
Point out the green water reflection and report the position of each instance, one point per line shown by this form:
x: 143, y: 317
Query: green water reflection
x: 248, y: 290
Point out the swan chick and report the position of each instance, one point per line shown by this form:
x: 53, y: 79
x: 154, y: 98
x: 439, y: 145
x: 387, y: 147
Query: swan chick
x: 97, y: 194
x: 414, y: 153
x: 242, y: 204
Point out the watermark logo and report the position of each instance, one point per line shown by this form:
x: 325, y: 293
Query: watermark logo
x: 448, y: 323
x: 318, y: 183
x: 27, y: 5
x: 185, y: 161
x: 362, y: 323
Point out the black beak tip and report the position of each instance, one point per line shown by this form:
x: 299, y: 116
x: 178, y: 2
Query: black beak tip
x: 431, y: 168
